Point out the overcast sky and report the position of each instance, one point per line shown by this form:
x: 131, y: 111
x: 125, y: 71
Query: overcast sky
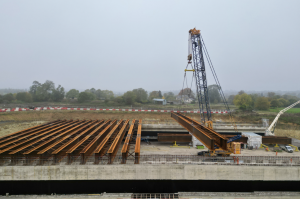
x: 122, y: 45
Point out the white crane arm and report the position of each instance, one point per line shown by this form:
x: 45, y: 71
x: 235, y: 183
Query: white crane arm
x: 280, y: 113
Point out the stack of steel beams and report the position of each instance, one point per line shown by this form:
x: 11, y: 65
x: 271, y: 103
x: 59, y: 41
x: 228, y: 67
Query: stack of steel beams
x: 70, y: 138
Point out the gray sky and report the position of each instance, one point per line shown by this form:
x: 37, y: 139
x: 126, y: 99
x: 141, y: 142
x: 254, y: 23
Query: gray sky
x: 122, y: 45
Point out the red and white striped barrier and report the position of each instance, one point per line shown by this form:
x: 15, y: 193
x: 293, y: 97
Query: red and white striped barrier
x: 93, y: 109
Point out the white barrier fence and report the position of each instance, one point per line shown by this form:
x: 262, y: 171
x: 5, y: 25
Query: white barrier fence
x: 96, y: 109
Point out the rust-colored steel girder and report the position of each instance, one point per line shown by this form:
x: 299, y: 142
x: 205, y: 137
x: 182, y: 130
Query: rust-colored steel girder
x: 266, y: 139
x: 138, y: 143
x: 76, y: 137
x: 276, y: 140
x: 14, y: 138
x: 45, y: 137
x: 51, y: 146
x: 90, y: 148
x: 105, y: 143
x: 168, y: 137
x: 114, y: 147
x: 101, y: 127
x: 27, y: 138
x: 26, y: 131
x: 207, y: 136
x: 46, y: 143
x: 125, y: 148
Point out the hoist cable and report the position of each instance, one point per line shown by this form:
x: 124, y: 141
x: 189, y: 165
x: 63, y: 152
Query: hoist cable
x: 217, y: 82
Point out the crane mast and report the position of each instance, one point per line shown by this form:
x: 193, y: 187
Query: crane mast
x: 196, y: 54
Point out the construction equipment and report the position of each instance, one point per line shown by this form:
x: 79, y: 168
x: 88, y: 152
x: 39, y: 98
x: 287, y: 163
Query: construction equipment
x: 196, y: 52
x: 271, y: 129
x: 196, y: 47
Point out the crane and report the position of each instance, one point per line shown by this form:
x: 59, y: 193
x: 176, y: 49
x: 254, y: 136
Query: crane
x: 271, y: 129
x: 196, y: 52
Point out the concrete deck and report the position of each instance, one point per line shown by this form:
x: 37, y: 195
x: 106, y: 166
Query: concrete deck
x: 155, y: 172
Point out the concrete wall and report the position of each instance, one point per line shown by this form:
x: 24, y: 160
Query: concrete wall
x: 144, y: 172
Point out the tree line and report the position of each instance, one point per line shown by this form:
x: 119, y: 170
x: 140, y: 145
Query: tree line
x: 47, y: 92
x: 246, y: 101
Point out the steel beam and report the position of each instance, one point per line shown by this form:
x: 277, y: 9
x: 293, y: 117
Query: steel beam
x: 77, y: 137
x: 276, y: 140
x: 202, y: 136
x: 48, y: 142
x: 207, y: 136
x: 15, y: 138
x: 90, y: 147
x: 266, y: 139
x: 45, y: 137
x: 125, y: 148
x: 167, y: 137
x: 103, y: 146
x: 26, y: 131
x: 51, y: 146
x: 112, y: 151
x: 138, y: 143
x: 26, y: 139
x: 101, y: 127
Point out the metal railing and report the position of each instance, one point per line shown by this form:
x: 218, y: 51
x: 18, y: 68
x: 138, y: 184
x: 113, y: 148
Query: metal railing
x: 154, y: 160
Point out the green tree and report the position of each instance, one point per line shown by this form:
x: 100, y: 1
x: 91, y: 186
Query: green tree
x: 283, y: 102
x: 107, y: 94
x: 243, y: 101
x: 169, y: 96
x: 153, y: 94
x: 129, y: 97
x: 91, y: 95
x: 98, y: 94
x: 83, y: 97
x: 159, y: 94
x: 58, y: 94
x: 254, y: 98
x: 24, y: 97
x: 271, y: 95
x: 119, y: 99
x: 262, y: 103
x: 241, y: 92
x: 73, y: 93
x: 230, y: 99
x: 1, y: 99
x: 274, y: 103
x: 141, y: 95
x: 8, y: 98
x: 213, y: 94
x: 42, y: 92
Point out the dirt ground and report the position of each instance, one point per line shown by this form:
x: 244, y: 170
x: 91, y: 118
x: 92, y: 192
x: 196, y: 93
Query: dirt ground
x: 11, y: 127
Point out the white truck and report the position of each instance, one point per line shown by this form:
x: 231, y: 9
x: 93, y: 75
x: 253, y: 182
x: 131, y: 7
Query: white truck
x: 287, y: 148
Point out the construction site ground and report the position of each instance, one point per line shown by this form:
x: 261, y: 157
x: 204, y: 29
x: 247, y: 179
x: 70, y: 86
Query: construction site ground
x: 167, y: 148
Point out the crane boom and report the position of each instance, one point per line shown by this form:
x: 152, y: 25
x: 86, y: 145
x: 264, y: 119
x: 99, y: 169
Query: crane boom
x: 269, y: 131
x: 196, y: 53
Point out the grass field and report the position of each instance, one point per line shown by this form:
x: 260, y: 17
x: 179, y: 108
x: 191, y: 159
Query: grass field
x: 292, y: 110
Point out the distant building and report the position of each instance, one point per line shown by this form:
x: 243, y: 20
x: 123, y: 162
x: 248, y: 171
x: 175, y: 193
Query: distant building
x: 184, y: 98
x: 160, y: 101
